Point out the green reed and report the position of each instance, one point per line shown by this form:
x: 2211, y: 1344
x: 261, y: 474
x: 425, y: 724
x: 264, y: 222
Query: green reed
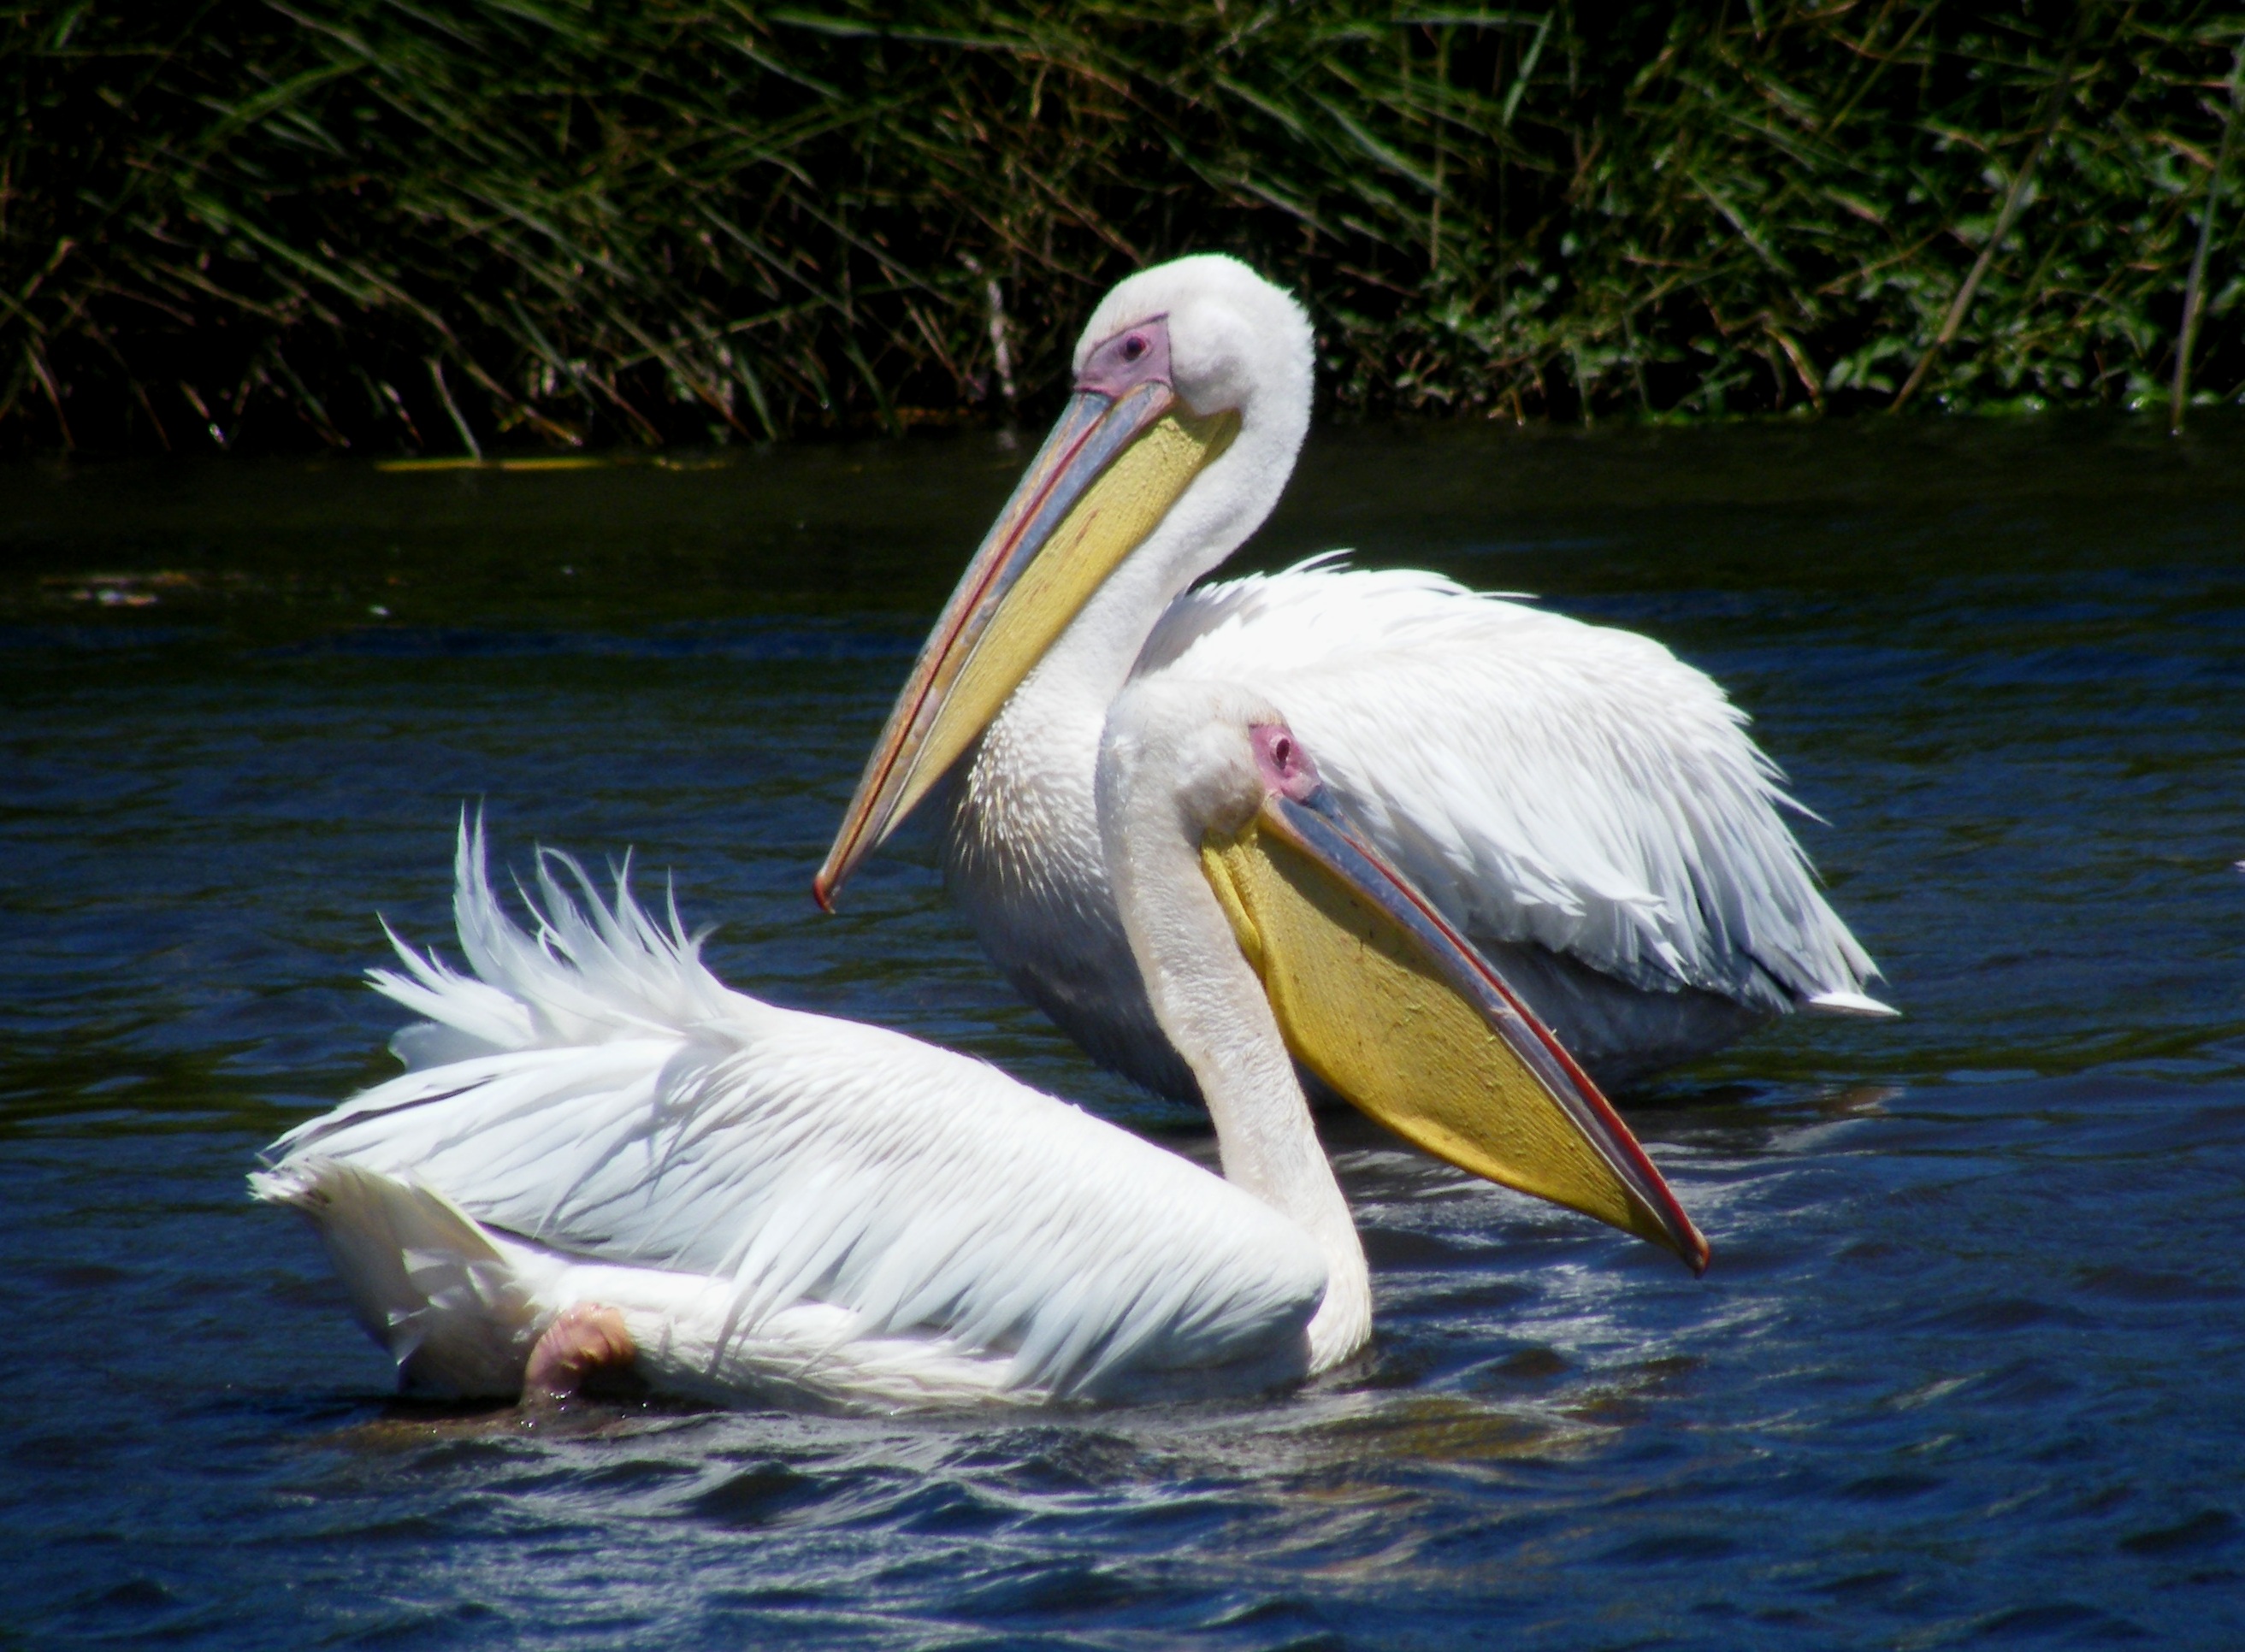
x: 401, y: 224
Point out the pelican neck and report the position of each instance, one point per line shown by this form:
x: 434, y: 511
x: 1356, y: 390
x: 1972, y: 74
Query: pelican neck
x: 1214, y: 1008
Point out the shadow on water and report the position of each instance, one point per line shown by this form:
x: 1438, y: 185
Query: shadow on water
x: 1960, y: 1371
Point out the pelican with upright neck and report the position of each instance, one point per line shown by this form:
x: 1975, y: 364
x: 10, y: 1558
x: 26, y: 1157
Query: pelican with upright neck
x: 1584, y: 805
x: 611, y: 1160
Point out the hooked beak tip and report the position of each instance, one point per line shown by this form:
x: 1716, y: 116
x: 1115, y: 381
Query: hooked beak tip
x: 821, y: 890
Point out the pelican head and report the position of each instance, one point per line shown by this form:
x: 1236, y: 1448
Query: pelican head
x: 1221, y: 339
x: 1191, y: 398
x: 1366, y: 985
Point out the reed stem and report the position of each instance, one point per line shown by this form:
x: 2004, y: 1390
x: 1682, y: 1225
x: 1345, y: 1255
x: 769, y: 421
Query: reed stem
x: 2195, y: 289
x: 2052, y: 111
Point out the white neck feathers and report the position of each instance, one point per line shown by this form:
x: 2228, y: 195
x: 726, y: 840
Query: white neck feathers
x: 1153, y: 810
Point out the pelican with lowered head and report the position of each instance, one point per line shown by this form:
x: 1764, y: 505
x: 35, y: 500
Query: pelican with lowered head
x: 601, y: 1158
x: 1584, y: 806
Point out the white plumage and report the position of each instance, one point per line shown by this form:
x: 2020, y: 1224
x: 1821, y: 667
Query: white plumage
x: 782, y: 1205
x: 1587, y: 806
x: 1542, y: 780
x: 601, y: 1154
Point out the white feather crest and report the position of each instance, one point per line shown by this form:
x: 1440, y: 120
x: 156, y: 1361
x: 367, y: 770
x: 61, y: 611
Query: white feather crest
x: 594, y: 1089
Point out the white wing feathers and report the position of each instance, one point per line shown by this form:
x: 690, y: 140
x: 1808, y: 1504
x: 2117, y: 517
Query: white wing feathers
x: 1540, y: 778
x: 595, y: 1089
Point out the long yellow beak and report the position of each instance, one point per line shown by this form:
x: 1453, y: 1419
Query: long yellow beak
x: 1109, y: 472
x: 1380, y: 998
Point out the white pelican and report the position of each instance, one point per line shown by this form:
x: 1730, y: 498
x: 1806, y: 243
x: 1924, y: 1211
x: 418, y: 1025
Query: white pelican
x: 1583, y: 804
x: 601, y: 1156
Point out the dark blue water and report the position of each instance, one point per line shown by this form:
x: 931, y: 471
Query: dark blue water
x: 1967, y: 1364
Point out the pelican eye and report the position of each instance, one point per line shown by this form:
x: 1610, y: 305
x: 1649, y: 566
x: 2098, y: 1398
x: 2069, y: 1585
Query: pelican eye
x: 1282, y: 752
x: 1133, y: 347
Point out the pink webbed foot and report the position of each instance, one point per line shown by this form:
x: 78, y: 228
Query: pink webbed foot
x: 584, y: 1343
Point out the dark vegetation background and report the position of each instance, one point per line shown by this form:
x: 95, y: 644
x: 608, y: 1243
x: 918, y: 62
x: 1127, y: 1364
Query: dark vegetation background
x: 440, y: 224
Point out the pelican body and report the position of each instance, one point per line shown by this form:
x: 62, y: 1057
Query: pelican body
x: 601, y: 1156
x: 1584, y: 806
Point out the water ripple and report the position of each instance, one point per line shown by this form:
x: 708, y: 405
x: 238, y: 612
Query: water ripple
x: 1962, y: 1369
